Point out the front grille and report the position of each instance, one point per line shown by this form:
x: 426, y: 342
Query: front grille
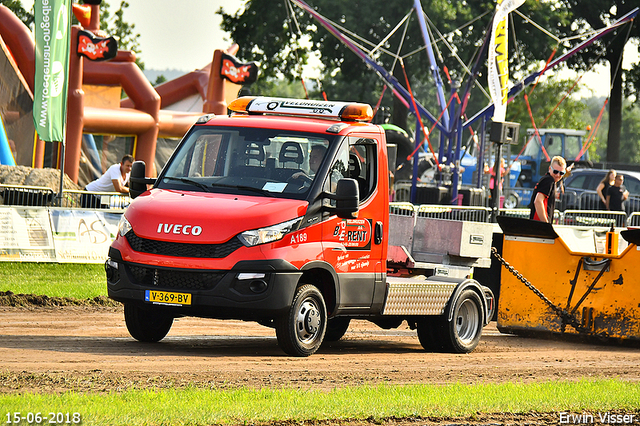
x: 167, y: 248
x: 166, y: 278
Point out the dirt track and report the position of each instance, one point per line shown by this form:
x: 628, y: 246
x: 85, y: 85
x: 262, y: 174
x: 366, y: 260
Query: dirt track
x: 89, y: 349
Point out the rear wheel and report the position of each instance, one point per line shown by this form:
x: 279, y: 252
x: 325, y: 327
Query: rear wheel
x: 427, y: 333
x: 146, y: 325
x: 301, y: 330
x: 461, y: 334
x: 336, y: 328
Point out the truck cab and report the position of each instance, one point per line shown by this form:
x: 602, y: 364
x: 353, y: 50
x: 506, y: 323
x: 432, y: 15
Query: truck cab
x: 277, y: 213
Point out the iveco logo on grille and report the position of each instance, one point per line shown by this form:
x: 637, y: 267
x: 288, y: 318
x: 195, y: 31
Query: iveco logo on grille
x: 174, y: 228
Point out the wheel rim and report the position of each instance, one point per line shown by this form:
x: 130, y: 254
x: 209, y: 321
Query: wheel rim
x: 511, y: 202
x: 467, y: 321
x: 308, y: 321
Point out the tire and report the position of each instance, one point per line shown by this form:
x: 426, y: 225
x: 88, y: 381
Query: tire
x: 428, y: 335
x: 461, y: 334
x: 146, y: 325
x: 336, y: 328
x: 511, y: 201
x: 301, y: 330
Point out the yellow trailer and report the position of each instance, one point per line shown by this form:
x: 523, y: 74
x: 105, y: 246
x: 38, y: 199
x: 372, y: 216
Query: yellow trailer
x: 549, y: 288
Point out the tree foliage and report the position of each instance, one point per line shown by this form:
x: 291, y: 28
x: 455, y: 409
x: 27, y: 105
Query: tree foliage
x: 596, y: 14
x: 16, y: 7
x: 549, y: 109
x: 113, y: 25
x: 267, y: 32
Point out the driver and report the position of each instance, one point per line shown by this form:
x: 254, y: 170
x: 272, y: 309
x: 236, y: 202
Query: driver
x: 315, y: 159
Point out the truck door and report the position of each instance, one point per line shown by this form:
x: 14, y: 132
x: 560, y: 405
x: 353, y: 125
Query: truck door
x: 355, y: 247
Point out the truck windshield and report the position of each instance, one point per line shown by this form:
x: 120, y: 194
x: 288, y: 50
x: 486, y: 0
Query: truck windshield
x: 268, y: 162
x: 533, y: 146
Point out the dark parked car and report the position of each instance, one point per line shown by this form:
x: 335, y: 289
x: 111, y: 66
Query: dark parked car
x: 580, y: 190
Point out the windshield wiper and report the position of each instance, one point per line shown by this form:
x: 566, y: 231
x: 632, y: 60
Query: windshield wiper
x: 190, y: 181
x: 245, y: 187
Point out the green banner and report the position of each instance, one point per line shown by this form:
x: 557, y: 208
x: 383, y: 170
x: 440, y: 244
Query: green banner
x: 53, y: 34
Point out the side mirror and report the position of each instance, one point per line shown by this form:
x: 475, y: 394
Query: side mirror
x: 137, y: 180
x: 347, y: 198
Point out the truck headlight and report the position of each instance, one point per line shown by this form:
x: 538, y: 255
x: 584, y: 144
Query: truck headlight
x: 124, y: 226
x: 268, y: 234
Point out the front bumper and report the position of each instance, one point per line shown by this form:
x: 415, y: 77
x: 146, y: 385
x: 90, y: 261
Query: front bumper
x: 251, y: 290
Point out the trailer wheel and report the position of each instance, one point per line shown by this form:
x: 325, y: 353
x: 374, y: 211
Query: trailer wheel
x: 146, y: 325
x: 336, y: 327
x: 462, y: 333
x: 301, y: 330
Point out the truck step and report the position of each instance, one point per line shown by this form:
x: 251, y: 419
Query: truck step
x: 414, y: 296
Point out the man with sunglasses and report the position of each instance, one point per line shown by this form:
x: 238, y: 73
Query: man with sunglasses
x: 543, y: 200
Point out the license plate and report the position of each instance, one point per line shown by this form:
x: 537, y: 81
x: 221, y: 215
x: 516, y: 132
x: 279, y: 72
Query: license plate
x: 167, y: 297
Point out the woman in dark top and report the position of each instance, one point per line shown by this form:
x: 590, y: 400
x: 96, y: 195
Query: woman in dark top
x: 603, y: 186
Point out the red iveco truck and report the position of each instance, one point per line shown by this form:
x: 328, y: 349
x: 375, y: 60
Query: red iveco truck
x: 279, y: 213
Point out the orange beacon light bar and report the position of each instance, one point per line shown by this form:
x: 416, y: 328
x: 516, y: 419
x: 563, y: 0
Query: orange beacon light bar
x: 336, y: 110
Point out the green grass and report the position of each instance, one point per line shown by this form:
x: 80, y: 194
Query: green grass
x: 194, y: 406
x: 79, y: 281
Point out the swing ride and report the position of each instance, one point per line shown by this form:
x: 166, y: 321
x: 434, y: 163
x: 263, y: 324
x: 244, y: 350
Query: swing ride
x: 451, y: 120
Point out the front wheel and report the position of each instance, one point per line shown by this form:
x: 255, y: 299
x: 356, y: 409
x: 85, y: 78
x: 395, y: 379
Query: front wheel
x: 146, y: 325
x: 301, y: 330
x: 336, y: 328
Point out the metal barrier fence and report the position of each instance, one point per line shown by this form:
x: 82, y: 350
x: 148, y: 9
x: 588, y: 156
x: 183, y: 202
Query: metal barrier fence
x: 464, y: 213
x: 14, y: 195
x: 402, y: 209
x: 95, y: 200
x: 589, y: 200
x: 633, y: 219
x: 483, y: 214
x: 558, y: 216
x: 595, y: 218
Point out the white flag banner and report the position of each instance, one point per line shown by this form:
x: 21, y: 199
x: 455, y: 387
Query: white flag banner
x: 498, y: 73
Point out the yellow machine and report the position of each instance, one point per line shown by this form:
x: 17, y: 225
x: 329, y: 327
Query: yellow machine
x: 547, y: 287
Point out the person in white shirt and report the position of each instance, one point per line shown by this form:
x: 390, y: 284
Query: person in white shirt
x: 115, y: 179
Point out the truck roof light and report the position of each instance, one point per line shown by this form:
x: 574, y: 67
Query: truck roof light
x: 357, y: 112
x: 282, y: 106
x: 240, y: 104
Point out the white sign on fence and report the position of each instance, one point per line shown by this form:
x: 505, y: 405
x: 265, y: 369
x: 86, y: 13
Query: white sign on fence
x: 36, y: 234
x: 25, y: 235
x: 83, y: 236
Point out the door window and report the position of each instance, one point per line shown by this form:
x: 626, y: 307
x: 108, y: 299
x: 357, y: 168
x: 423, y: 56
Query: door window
x: 362, y: 165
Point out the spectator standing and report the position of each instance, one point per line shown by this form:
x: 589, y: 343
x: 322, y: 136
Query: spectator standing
x: 617, y: 194
x: 603, y: 187
x: 491, y: 171
x: 115, y: 179
x: 543, y: 199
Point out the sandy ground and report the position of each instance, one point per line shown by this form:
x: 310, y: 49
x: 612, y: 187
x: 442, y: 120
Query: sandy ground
x: 89, y: 349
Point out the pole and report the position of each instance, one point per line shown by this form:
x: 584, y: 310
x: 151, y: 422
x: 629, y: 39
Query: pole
x: 497, y: 179
x: 433, y: 66
x: 61, y: 186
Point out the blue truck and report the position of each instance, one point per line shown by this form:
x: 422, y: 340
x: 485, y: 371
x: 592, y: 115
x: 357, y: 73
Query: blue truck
x: 534, y: 160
